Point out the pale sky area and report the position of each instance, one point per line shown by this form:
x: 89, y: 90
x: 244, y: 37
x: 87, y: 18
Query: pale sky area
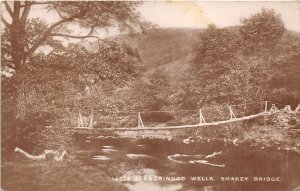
x: 198, y: 14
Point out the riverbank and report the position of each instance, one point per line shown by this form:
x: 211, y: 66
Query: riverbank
x: 101, y: 158
x: 280, y: 130
x: 18, y: 173
x: 21, y: 174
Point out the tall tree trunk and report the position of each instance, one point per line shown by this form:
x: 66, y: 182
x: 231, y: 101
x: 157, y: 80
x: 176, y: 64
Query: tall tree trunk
x: 18, y: 42
x: 20, y: 105
x: 20, y: 111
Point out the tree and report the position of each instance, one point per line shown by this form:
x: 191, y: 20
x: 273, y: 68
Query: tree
x: 286, y: 70
x: 262, y: 29
x: 215, y: 45
x: 151, y: 93
x: 214, y: 54
x: 247, y: 81
x: 25, y: 36
x: 264, y: 34
x: 65, y: 81
x: 155, y: 96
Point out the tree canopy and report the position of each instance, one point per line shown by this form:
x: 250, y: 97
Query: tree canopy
x: 25, y: 35
x: 262, y: 29
x: 22, y: 37
x: 216, y: 45
x: 249, y: 62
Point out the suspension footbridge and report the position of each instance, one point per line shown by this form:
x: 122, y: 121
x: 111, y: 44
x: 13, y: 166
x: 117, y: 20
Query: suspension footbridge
x: 207, y: 116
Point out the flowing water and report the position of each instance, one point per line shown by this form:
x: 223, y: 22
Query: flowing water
x: 153, y: 164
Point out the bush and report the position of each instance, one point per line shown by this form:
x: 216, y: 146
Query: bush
x: 17, y: 134
x: 41, y: 118
x: 53, y: 137
x: 292, y: 122
x: 31, y: 137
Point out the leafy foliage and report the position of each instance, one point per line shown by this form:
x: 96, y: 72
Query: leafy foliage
x: 254, y: 64
x: 216, y: 45
x: 152, y: 93
x: 264, y: 29
x: 23, y: 37
x: 246, y: 81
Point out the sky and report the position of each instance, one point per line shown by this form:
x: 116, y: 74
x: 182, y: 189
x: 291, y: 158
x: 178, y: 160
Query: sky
x: 198, y: 14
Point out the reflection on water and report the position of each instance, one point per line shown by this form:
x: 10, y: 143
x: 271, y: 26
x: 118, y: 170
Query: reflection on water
x: 137, y: 156
x: 107, y: 146
x: 197, y: 158
x: 109, y: 150
x: 156, y: 165
x: 101, y: 157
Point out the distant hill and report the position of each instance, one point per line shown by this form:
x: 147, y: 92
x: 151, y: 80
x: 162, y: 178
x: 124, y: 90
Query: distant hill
x: 171, y: 47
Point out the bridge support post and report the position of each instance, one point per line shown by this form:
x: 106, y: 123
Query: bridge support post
x: 202, y: 120
x: 273, y: 108
x: 266, y: 106
x: 140, y: 121
x: 232, y: 116
x: 287, y: 108
x: 297, y: 108
x: 80, y: 120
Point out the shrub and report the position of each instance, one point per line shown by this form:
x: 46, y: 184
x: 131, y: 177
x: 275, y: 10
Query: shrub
x: 292, y: 122
x: 16, y: 134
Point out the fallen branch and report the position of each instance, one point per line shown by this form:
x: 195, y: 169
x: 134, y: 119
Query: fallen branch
x: 57, y: 155
x: 201, y: 161
x: 39, y: 157
x: 214, y: 154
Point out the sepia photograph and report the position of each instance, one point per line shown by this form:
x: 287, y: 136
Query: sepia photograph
x: 162, y: 95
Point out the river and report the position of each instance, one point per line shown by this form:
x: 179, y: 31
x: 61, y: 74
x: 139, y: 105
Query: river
x: 167, y: 165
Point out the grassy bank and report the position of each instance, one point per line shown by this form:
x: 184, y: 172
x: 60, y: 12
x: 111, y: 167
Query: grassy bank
x: 48, y: 175
x: 279, y: 130
x: 21, y: 174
